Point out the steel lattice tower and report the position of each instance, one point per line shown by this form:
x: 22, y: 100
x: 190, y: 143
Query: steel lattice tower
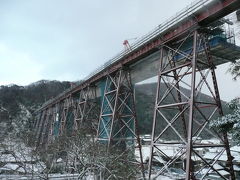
x: 118, y: 123
x: 187, y: 115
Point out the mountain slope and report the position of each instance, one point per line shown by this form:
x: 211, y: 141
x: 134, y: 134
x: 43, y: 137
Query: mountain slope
x: 17, y: 103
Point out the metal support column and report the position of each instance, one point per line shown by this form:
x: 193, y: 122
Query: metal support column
x: 189, y: 165
x: 66, y: 105
x: 40, y: 127
x: 45, y: 129
x: 50, y: 131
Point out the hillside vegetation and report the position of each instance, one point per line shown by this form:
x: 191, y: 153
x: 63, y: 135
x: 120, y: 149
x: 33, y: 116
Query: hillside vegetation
x: 17, y: 103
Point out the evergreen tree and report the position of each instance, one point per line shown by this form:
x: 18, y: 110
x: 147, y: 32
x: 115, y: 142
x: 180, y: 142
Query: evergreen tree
x: 230, y: 122
x: 234, y: 69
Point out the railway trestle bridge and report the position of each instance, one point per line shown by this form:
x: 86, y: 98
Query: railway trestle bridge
x: 182, y: 52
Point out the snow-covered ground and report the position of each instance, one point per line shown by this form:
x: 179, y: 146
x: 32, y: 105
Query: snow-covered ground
x: 207, y: 153
x: 16, y: 158
x: 51, y: 176
x: 17, y: 161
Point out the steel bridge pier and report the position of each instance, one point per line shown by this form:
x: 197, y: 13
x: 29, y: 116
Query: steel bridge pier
x: 191, y: 69
x: 118, y: 126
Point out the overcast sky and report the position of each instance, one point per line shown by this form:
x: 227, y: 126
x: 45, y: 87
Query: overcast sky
x: 67, y: 39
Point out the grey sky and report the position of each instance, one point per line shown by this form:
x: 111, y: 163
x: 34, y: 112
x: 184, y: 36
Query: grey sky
x: 67, y: 39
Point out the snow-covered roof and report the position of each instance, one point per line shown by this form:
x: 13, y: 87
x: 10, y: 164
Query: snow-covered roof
x: 145, y: 153
x: 10, y: 166
x: 146, y: 139
x: 212, y: 173
x: 7, y: 158
x: 223, y: 173
x: 235, y: 148
x: 59, y: 160
x: 215, y: 150
x: 163, y: 178
x: 210, y: 141
x: 217, y: 166
x: 223, y: 157
x: 170, y: 151
x: 236, y: 168
x: 18, y: 157
x: 21, y: 170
